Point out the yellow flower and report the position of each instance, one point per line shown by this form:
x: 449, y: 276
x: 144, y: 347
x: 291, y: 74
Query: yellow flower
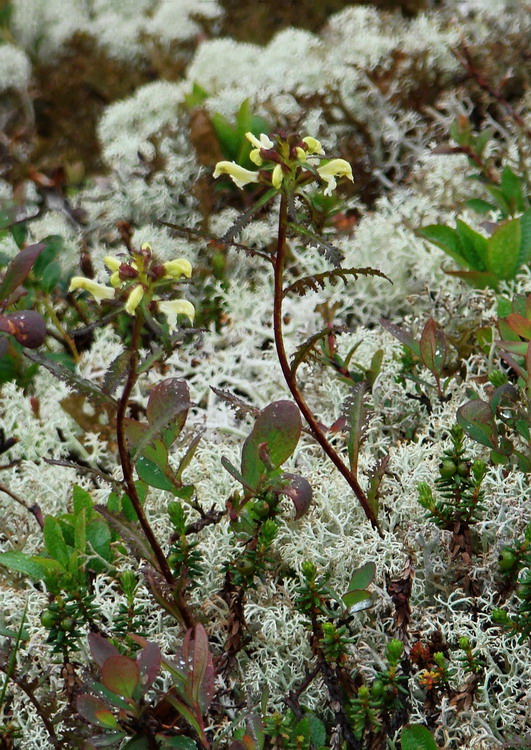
x: 172, y: 308
x: 265, y: 142
x: 277, y: 176
x: 134, y: 299
x: 238, y: 175
x: 335, y: 168
x: 113, y: 264
x: 314, y: 146
x: 98, y: 291
x: 177, y: 267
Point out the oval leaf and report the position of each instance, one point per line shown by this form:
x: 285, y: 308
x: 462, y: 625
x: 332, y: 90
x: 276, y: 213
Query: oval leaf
x: 101, y: 649
x: 96, y: 711
x: 503, y: 250
x: 356, y: 601
x: 362, y: 577
x: 299, y: 490
x: 19, y: 268
x: 417, y: 737
x: 26, y: 326
x: 475, y: 417
x: 121, y: 675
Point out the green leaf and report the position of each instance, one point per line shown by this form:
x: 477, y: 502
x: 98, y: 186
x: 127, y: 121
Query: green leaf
x: 22, y: 635
x: 417, y: 737
x: 403, y: 336
x: 520, y: 325
x: 21, y: 563
x: 433, y: 347
x: 55, y: 541
x: 356, y: 413
x: 511, y: 189
x: 167, y: 410
x: 227, y: 135
x: 276, y: 432
x: 99, y: 539
x: 447, y: 239
x: 80, y: 531
x: 479, y: 205
x: 475, y: 417
x: 312, y: 729
x: 525, y: 239
x: 153, y: 475
x: 138, y: 743
x: 121, y: 675
x: 82, y: 500
x: 357, y: 600
x: 477, y: 279
x: 503, y: 250
x: 96, y: 712
x: 51, y: 277
x: 499, y: 199
x: 362, y: 577
x: 53, y: 245
x: 179, y: 743
x: 473, y: 245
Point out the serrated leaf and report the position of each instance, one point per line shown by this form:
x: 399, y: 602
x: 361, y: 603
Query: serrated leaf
x: 55, y: 541
x: 417, y: 737
x: 121, y: 675
x: 96, y: 712
x: 19, y: 268
x: 116, y: 372
x: 21, y: 563
x: 503, y: 250
x: 362, y: 577
x: 278, y: 427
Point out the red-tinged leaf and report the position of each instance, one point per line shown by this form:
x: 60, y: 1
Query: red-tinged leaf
x: 26, y: 326
x: 202, y: 670
x: 184, y: 711
x: 19, y: 268
x: 513, y: 347
x: 167, y: 408
x: 101, y: 648
x: 475, y: 417
x: 433, y: 347
x: 121, y: 675
x: 403, y: 336
x: 520, y: 325
x: 299, y: 490
x: 149, y: 661
x: 96, y: 711
x: 279, y: 427
x: 356, y: 414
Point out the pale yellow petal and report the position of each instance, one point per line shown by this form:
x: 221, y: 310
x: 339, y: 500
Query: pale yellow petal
x: 134, y: 299
x: 178, y: 267
x: 172, y: 308
x: 113, y: 264
x: 98, y: 291
x: 277, y: 176
x: 238, y: 175
x: 314, y: 146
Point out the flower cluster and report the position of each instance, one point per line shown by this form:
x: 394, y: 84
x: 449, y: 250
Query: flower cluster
x: 292, y: 163
x: 139, y: 277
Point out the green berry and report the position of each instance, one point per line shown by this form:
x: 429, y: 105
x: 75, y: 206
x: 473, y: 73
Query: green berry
x: 68, y: 624
x: 377, y: 689
x: 447, y: 469
x: 507, y: 560
x: 48, y: 618
x: 463, y: 469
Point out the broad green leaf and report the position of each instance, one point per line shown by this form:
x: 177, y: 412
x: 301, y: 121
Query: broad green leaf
x: 96, y: 711
x: 121, y: 675
x: 447, y: 239
x: 499, y: 199
x: 21, y: 563
x: 227, y: 135
x: 480, y: 206
x: 277, y: 430
x: 476, y: 279
x: 525, y: 239
x: 511, y: 188
x: 138, y: 743
x: 167, y: 410
x: 362, y: 577
x: 52, y: 246
x: 153, y: 475
x: 312, y: 729
x: 99, y: 538
x: 176, y: 743
x: 503, y: 250
x: 473, y: 245
x: 80, y: 531
x: 54, y: 540
x: 22, y: 635
x: 417, y: 737
x: 184, y: 711
x: 357, y: 600
x: 81, y: 500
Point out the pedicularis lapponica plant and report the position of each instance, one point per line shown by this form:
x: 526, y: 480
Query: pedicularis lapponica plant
x: 133, y: 696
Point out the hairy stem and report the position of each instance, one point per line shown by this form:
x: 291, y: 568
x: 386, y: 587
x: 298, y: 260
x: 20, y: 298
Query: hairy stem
x: 291, y: 379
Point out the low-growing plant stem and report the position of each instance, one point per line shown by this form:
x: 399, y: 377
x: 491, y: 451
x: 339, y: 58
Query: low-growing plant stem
x: 290, y: 377
x: 125, y: 460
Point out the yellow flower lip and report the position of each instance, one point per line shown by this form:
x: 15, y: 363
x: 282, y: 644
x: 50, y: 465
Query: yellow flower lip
x: 113, y: 264
x: 314, y: 146
x: 263, y: 142
x: 239, y: 175
x: 277, y: 176
x: 172, y: 308
x: 176, y: 268
x: 334, y: 168
x: 134, y: 299
x: 98, y: 291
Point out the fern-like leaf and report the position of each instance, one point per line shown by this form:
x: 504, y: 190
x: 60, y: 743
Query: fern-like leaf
x: 318, y: 280
x: 225, y: 240
x: 307, y: 350
x: 241, y: 408
x: 332, y: 253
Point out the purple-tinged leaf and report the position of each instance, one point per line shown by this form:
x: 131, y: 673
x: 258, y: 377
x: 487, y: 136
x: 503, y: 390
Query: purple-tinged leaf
x: 96, y: 711
x: 103, y: 740
x: 403, y: 336
x: 433, y: 347
x: 101, y: 648
x: 121, y: 675
x: 27, y: 326
x: 233, y: 471
x: 520, y: 325
x: 299, y: 490
x: 19, y: 268
x: 149, y: 661
x: 116, y: 372
x: 202, y: 678
x: 279, y: 427
x: 356, y: 414
x: 167, y: 407
x: 475, y: 417
x: 362, y: 577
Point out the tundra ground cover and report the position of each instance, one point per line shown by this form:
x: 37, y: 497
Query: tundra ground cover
x: 265, y: 376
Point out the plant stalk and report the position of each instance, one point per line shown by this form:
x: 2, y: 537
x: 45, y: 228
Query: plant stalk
x: 291, y: 379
